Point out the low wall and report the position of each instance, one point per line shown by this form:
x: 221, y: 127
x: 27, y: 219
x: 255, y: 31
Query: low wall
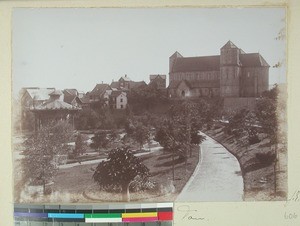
x: 239, y: 103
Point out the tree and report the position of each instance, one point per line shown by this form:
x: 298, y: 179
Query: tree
x: 100, y: 140
x: 196, y: 138
x: 39, y: 164
x: 141, y: 134
x: 87, y: 119
x: 120, y: 170
x: 144, y: 98
x: 170, y: 137
x: 266, y: 114
x: 80, y: 146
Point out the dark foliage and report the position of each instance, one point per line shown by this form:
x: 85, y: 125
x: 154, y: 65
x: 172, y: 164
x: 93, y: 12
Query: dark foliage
x: 100, y: 140
x: 41, y: 161
x: 266, y: 158
x: 121, y: 168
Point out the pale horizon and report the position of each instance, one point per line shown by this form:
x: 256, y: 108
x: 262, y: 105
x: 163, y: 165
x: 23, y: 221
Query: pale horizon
x: 79, y: 48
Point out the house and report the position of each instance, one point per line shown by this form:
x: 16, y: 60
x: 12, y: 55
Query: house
x: 85, y: 101
x: 100, y: 92
x: 71, y: 96
x: 118, y: 99
x: 232, y: 74
x: 136, y: 85
x: 126, y: 84
x: 29, y: 97
x: 53, y: 109
x: 158, y: 81
x: 34, y: 95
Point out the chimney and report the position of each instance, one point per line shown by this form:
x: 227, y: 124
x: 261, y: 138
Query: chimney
x: 102, y: 82
x: 125, y: 76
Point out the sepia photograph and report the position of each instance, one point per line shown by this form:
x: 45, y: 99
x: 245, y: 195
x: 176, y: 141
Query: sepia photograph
x: 149, y: 105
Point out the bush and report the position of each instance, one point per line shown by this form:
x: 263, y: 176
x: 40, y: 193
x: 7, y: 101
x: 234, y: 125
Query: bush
x: 266, y: 158
x: 121, y: 170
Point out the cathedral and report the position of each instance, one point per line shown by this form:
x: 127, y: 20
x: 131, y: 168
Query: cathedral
x: 232, y: 74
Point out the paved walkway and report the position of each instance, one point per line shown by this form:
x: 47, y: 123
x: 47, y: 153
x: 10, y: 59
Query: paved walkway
x: 217, y: 176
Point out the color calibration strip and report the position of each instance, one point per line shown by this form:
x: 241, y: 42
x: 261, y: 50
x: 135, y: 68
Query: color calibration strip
x: 98, y: 214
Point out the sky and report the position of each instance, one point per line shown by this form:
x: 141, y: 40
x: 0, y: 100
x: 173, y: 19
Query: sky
x: 80, y: 47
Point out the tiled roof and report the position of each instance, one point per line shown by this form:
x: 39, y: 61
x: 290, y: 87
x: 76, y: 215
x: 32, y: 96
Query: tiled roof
x: 173, y: 84
x: 157, y: 76
x: 133, y: 85
x: 190, y: 64
x: 125, y: 78
x: 54, y: 105
x: 68, y: 98
x: 39, y: 93
x: 56, y: 92
x: 99, y: 89
x: 229, y: 45
x: 73, y: 92
x: 176, y: 54
x: 85, y: 99
x: 116, y: 93
x: 114, y: 85
x: 212, y: 63
x: 252, y: 60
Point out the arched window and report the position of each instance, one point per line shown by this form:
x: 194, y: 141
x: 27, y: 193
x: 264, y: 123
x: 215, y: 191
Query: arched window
x: 183, y: 93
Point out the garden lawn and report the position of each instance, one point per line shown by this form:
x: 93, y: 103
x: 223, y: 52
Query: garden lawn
x: 79, y: 184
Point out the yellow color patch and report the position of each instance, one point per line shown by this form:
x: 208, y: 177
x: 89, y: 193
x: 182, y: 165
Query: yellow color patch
x: 132, y: 215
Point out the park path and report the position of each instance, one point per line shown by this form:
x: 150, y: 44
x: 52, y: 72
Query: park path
x: 65, y: 166
x: 217, y: 176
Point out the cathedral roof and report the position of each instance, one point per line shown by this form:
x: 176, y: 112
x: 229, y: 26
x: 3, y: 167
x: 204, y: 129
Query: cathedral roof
x: 229, y: 45
x: 189, y: 64
x: 253, y: 60
x: 212, y: 63
x: 176, y: 55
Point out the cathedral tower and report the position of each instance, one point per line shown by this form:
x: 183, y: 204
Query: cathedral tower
x: 230, y: 70
x: 172, y: 60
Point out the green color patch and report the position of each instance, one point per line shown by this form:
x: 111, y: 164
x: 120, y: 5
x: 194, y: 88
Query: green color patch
x: 103, y: 215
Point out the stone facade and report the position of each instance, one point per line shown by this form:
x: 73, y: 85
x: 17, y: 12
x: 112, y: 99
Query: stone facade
x: 233, y: 73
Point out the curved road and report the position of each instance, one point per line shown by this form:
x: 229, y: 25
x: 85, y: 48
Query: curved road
x: 217, y: 176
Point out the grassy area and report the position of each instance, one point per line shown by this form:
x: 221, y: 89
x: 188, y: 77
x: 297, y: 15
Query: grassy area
x: 78, y: 180
x: 258, y: 178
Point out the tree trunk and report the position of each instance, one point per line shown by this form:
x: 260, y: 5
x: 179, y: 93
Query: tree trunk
x: 186, y: 163
x: 173, y: 166
x: 275, y: 168
x: 44, y: 187
x: 125, y: 192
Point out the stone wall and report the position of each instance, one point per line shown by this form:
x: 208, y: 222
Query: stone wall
x: 239, y: 103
